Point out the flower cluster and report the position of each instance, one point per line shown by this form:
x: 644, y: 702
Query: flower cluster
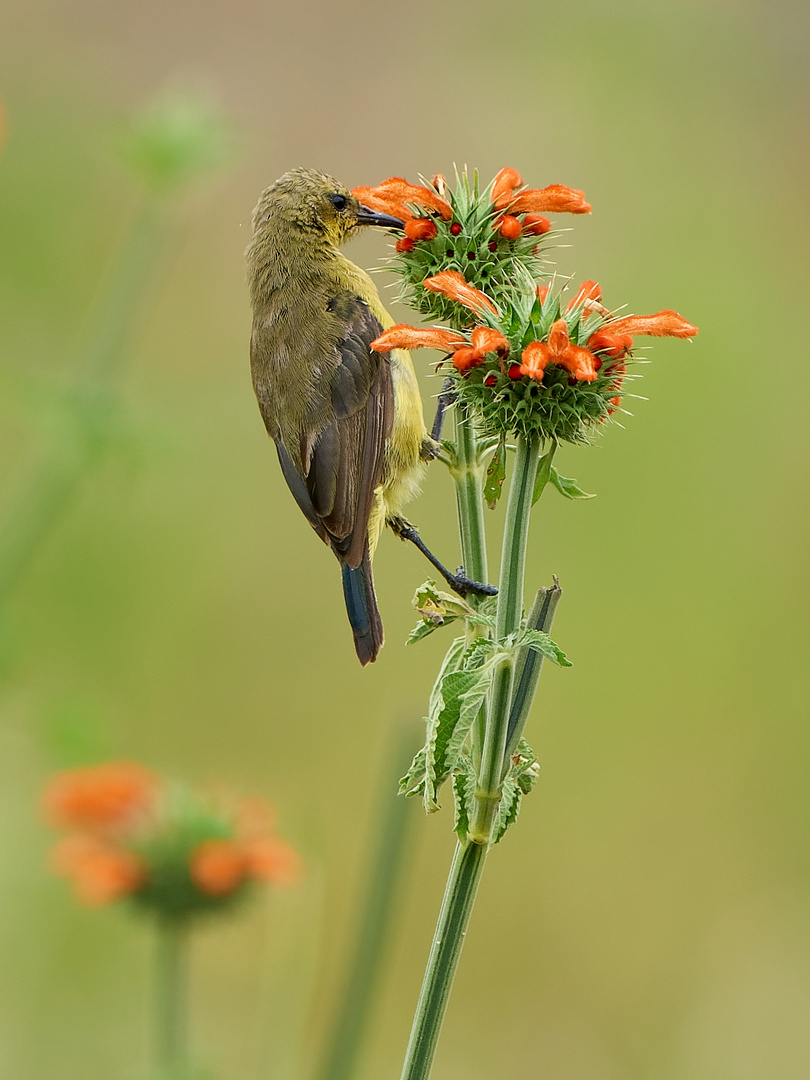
x: 487, y: 236
x: 172, y: 850
x: 525, y: 359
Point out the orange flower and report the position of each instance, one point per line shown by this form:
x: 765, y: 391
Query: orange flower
x: 616, y: 338
x: 503, y: 187
x: 269, y: 859
x: 391, y: 195
x: 554, y: 199
x: 536, y: 225
x: 454, y: 286
x: 509, y: 227
x: 662, y: 324
x: 403, y: 336
x: 100, y: 871
x: 218, y: 867
x: 588, y: 290
x: 559, y: 350
x: 404, y: 244
x: 420, y: 229
x: 108, y: 796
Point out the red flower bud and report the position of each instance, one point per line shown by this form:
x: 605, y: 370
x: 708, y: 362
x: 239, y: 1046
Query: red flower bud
x: 514, y: 372
x: 404, y: 244
x: 490, y: 380
x: 455, y: 228
x: 493, y: 246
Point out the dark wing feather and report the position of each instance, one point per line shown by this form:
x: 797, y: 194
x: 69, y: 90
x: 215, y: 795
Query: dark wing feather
x: 341, y: 463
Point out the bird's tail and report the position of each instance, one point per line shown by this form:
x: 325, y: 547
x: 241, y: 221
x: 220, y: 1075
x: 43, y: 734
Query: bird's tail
x: 361, y: 607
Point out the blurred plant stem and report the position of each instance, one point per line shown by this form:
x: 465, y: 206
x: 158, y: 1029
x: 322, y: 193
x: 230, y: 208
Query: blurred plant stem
x: 385, y: 873
x: 43, y: 495
x: 499, y: 724
x: 171, y: 1000
x: 167, y: 147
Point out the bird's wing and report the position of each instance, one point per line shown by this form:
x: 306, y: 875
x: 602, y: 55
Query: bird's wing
x: 341, y: 462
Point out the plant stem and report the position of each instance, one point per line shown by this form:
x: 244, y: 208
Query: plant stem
x: 385, y: 874
x: 457, y: 905
x: 507, y: 621
x: 528, y: 665
x: 171, y: 993
x: 468, y: 473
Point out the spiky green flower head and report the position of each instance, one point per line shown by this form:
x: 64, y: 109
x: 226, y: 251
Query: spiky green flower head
x: 522, y: 359
x: 493, y: 237
x: 534, y: 365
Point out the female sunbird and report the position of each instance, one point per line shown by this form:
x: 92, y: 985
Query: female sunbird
x: 346, y: 420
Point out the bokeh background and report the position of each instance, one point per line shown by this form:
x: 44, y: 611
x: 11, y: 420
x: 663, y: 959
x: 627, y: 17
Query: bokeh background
x: 648, y: 918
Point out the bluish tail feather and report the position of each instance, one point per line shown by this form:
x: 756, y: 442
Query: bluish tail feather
x: 361, y: 607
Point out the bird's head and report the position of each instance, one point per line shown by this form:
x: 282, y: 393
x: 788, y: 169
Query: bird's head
x: 314, y: 204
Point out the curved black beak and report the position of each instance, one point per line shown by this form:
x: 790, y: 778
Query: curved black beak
x: 365, y: 216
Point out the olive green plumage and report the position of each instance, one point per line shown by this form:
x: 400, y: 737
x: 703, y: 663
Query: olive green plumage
x: 346, y: 420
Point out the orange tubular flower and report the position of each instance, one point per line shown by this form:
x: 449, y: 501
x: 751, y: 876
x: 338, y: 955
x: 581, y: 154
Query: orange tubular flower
x: 100, y: 871
x: 391, y: 195
x: 554, y: 199
x: 101, y: 797
x: 454, y: 286
x: 580, y: 362
x: 536, y: 225
x: 616, y: 338
x: 588, y: 290
x: 420, y: 229
x: 403, y: 336
x: 509, y: 227
x: 662, y: 324
x: 503, y: 187
x: 218, y: 867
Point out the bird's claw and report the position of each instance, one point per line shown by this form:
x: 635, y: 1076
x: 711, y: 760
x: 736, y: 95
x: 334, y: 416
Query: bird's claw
x: 460, y: 583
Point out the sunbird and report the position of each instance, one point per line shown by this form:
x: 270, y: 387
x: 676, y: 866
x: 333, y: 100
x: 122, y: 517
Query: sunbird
x: 346, y: 419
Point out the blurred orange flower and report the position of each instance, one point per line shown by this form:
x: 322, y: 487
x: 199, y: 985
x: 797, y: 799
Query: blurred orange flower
x: 100, y: 871
x: 111, y: 796
x: 218, y: 867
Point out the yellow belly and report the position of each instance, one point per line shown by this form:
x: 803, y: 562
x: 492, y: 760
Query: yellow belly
x: 403, y: 468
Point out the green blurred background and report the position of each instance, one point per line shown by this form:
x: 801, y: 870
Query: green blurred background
x: 648, y: 918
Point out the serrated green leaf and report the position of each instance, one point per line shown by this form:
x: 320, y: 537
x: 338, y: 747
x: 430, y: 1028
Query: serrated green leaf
x: 508, y: 808
x: 462, y: 694
x: 464, y: 782
x: 567, y: 487
x: 495, y: 475
x: 413, y: 782
x: 542, y: 643
x: 544, y: 471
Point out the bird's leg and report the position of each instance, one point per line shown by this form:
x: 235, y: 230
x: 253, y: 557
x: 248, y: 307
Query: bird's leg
x: 446, y: 398
x: 458, y: 582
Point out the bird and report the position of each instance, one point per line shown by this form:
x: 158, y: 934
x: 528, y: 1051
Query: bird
x: 346, y: 419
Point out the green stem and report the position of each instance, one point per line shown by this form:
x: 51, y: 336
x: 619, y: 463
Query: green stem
x: 457, y: 905
x: 171, y: 993
x: 507, y: 621
x: 468, y: 474
x: 358, y: 996
x: 528, y: 665
x: 47, y: 488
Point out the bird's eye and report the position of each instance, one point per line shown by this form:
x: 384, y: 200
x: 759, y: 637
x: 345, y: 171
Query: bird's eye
x: 338, y: 201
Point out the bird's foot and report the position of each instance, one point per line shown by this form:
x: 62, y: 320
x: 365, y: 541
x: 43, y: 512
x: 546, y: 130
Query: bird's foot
x: 460, y: 583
